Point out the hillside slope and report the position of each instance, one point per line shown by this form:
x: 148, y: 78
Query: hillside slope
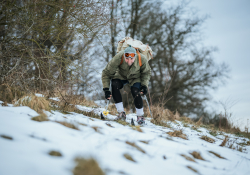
x: 25, y: 146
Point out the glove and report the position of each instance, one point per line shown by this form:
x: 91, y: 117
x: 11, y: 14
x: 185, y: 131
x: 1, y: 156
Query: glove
x: 107, y: 93
x: 144, y: 90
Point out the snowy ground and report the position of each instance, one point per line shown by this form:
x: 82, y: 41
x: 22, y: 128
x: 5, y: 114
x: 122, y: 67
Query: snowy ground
x: 27, y: 152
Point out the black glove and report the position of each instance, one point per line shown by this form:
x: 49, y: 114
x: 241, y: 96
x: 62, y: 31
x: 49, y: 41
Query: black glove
x: 144, y: 90
x: 107, y: 93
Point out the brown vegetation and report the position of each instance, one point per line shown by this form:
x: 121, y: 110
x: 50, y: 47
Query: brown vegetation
x: 208, y: 139
x: 197, y: 155
x: 40, y: 118
x: 178, y: 133
x: 6, y: 137
x: 137, y: 128
x: 135, y: 146
x: 55, y: 153
x: 36, y: 103
x: 224, y: 141
x: 129, y: 157
x: 194, y: 170
x: 87, y: 167
x: 188, y: 158
x: 67, y: 124
x: 217, y: 155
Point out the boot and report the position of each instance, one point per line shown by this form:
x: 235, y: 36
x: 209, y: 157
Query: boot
x: 140, y: 120
x: 121, y: 116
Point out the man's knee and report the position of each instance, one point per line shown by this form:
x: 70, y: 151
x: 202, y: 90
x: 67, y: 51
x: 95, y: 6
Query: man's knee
x: 117, y: 84
x: 135, y: 91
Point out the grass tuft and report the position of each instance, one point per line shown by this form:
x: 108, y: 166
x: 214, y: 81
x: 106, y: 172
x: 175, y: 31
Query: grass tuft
x: 143, y: 141
x: 129, y: 157
x: 69, y: 125
x: 178, y: 133
x: 87, y: 167
x: 191, y: 168
x: 36, y: 103
x: 224, y: 141
x: 6, y: 137
x: 188, y: 158
x: 108, y: 124
x: 135, y: 146
x: 197, y: 155
x: 208, y: 139
x: 217, y: 155
x: 55, y: 153
x: 42, y: 117
x: 137, y: 128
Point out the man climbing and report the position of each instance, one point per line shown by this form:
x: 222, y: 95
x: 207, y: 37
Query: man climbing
x: 127, y: 67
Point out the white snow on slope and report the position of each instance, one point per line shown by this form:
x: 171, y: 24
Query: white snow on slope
x: 27, y: 153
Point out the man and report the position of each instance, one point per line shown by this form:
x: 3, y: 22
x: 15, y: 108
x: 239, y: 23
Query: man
x: 122, y: 69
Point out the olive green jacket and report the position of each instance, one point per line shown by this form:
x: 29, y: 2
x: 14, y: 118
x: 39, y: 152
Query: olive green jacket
x: 133, y: 73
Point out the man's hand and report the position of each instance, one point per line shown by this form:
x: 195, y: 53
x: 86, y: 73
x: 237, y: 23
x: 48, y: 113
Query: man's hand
x: 144, y: 90
x: 107, y: 93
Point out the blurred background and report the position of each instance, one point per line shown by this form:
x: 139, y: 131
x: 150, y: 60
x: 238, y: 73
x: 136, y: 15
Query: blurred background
x: 201, y: 55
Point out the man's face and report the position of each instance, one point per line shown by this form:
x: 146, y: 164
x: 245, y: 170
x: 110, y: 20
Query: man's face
x: 129, y: 58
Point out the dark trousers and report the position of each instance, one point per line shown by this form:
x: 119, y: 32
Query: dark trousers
x: 118, y: 84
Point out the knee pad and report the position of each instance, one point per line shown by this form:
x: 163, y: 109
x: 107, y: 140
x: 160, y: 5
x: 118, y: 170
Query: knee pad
x: 117, y: 84
x: 137, y: 97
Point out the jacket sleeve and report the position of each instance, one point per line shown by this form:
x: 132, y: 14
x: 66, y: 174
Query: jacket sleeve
x: 110, y: 70
x: 145, y: 71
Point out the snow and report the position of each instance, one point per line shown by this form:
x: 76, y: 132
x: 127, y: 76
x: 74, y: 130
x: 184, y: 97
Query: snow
x: 28, y: 152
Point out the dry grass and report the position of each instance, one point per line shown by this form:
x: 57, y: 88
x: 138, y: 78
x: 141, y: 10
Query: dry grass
x: 137, y: 128
x: 143, y: 141
x: 124, y: 123
x: 41, y: 118
x: 97, y: 129
x: 135, y: 146
x: 36, y: 103
x: 129, y: 157
x: 112, y: 109
x: 217, y: 155
x: 188, y: 158
x: 191, y: 168
x: 87, y: 167
x: 6, y: 137
x: 178, y: 133
x: 224, y: 141
x: 69, y: 125
x: 208, y: 139
x: 10, y: 94
x: 185, y: 119
x: 199, y: 122
x: 161, y: 116
x: 108, y: 124
x: 55, y: 153
x: 197, y: 155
